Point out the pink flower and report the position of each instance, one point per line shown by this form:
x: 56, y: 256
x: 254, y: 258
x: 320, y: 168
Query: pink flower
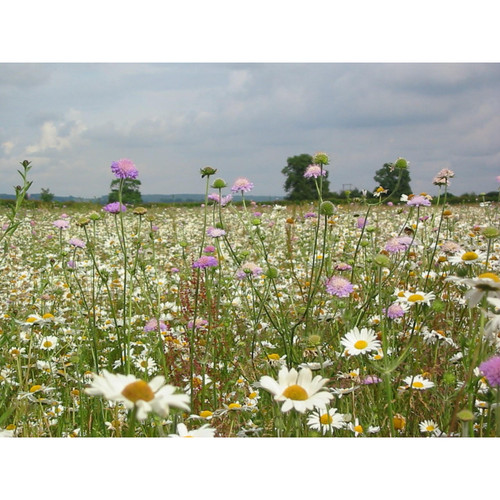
x: 124, y: 169
x: 314, y: 171
x: 339, y: 286
x: 242, y: 185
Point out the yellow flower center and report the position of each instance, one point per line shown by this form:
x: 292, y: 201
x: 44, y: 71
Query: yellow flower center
x: 252, y: 395
x: 295, y: 392
x: 31, y: 319
x: 491, y: 276
x: 416, y: 297
x: 361, y: 344
x: 325, y: 419
x: 429, y: 428
x: 470, y: 256
x: 273, y: 357
x: 359, y: 429
x: 47, y: 344
x: 205, y: 413
x: 35, y: 388
x: 418, y: 384
x: 48, y: 316
x: 138, y: 390
x: 234, y: 406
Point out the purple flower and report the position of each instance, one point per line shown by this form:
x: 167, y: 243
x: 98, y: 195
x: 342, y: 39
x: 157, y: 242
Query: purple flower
x: 419, y: 201
x: 361, y: 222
x: 242, y: 185
x: 205, y: 261
x: 398, y: 244
x: 76, y: 243
x: 71, y: 264
x: 314, y: 171
x: 339, y: 286
x: 199, y: 323
x: 394, y: 311
x: 310, y: 215
x: 124, y: 169
x: 61, y: 224
x: 209, y: 249
x: 342, y: 266
x: 152, y: 325
x: 248, y: 270
x: 491, y: 370
x: 114, y: 208
x: 215, y: 232
x: 371, y: 379
x: 217, y: 199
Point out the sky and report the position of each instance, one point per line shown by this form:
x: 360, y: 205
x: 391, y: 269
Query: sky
x: 72, y: 120
x: 192, y: 89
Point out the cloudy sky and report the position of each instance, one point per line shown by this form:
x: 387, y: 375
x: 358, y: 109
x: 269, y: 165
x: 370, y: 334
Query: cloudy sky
x: 245, y: 119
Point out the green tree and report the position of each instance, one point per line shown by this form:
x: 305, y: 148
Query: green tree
x: 387, y: 177
x: 131, y: 193
x: 46, y: 195
x: 296, y: 185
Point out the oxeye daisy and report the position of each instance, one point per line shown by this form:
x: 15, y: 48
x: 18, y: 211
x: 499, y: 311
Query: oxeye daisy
x: 325, y: 420
x: 484, y: 284
x: 417, y: 297
x: 297, y: 390
x: 429, y: 427
x: 203, y: 431
x: 154, y: 396
x: 418, y: 383
x: 360, y: 341
x: 467, y: 257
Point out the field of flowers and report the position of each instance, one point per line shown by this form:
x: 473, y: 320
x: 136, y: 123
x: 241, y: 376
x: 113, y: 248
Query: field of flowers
x: 232, y: 319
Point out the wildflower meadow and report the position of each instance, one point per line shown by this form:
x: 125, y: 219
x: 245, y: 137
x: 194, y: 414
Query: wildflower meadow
x: 375, y: 318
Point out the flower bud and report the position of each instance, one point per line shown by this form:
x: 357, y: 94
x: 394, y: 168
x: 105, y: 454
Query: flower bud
x: 320, y: 158
x: 327, y: 208
x: 207, y: 171
x: 401, y: 163
x: 219, y: 184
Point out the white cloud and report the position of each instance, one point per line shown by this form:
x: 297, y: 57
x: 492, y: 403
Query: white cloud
x: 7, y: 146
x: 51, y: 137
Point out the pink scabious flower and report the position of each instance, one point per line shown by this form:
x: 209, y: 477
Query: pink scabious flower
x: 115, y: 207
x: 491, y: 370
x: 371, y: 379
x: 61, y: 224
x: 398, y: 244
x: 76, y: 242
x: 314, y: 171
x: 418, y: 201
x: 209, y: 249
x: 339, y: 287
x: 361, y: 223
x: 248, y: 270
x: 342, y: 266
x: 199, y: 323
x: 215, y: 232
x: 124, y: 169
x: 205, y: 261
x: 310, y: 215
x: 242, y: 185
x: 152, y: 325
x: 395, y: 311
x: 222, y: 201
x: 443, y: 177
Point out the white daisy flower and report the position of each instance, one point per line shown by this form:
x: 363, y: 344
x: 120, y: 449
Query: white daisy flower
x: 418, y: 382
x: 325, y: 421
x: 418, y: 297
x: 360, y: 342
x: 203, y: 431
x: 467, y: 257
x: 429, y: 427
x: 297, y: 390
x: 154, y: 396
